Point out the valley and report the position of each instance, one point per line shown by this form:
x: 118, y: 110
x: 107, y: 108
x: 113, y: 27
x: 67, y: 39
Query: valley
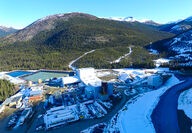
x: 76, y: 72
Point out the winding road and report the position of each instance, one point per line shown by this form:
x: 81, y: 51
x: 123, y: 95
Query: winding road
x: 72, y: 62
x: 164, y: 116
x: 119, y: 59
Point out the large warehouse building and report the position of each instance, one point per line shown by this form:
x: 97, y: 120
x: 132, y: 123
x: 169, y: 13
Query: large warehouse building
x: 92, y: 83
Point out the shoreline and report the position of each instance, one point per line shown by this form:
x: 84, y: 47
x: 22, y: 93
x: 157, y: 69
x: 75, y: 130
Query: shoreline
x: 184, y: 122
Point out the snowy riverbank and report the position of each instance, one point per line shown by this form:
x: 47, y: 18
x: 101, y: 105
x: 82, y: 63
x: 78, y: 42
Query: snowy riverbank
x: 185, y: 102
x: 136, y: 115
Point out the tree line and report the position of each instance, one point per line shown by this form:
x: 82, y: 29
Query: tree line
x: 6, y: 89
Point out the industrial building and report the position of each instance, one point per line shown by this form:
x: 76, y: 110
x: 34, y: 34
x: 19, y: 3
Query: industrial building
x: 70, y: 80
x: 94, y: 87
x: 61, y: 82
x: 61, y: 115
x: 106, y: 91
x: 24, y: 115
x: 89, y: 79
x: 12, y: 101
x: 35, y: 92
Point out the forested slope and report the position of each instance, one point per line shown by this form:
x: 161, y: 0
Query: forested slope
x: 56, y: 47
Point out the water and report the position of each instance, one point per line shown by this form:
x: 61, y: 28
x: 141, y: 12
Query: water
x: 43, y: 76
x: 18, y: 73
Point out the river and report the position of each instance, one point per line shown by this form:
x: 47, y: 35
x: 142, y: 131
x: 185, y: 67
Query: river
x: 164, y: 116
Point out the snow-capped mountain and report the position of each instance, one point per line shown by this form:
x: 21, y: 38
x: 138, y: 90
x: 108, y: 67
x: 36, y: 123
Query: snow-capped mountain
x: 5, y: 31
x: 149, y: 22
x: 132, y: 19
x: 127, y: 19
x: 178, y: 26
x: 189, y: 19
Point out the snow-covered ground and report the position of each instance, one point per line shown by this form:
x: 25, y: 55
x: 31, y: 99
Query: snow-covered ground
x: 72, y: 62
x: 90, y: 129
x: 135, y: 117
x: 153, y: 51
x: 120, y: 58
x: 185, y: 102
x: 114, y: 75
x: 160, y: 61
x: 141, y: 71
x: 182, y: 46
x: 126, y: 73
x: 2, y: 107
x: 102, y: 74
x: 13, y: 80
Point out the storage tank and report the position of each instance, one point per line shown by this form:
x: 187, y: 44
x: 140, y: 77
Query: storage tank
x: 104, y: 88
x: 30, y: 83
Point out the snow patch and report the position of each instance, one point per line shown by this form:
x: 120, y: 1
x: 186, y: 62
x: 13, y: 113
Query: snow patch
x: 102, y: 74
x: 13, y: 80
x: 153, y: 51
x: 185, y: 102
x: 160, y: 61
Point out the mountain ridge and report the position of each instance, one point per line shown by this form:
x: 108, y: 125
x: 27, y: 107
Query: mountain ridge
x: 4, y: 31
x: 46, y: 23
x: 132, y: 19
x: 178, y: 26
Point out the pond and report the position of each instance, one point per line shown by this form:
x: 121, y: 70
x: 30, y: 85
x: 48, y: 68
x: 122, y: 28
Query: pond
x: 44, y: 75
x: 18, y: 73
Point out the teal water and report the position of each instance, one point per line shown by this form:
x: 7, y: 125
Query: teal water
x: 43, y: 76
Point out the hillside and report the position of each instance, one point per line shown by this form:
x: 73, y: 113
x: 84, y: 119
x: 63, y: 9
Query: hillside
x: 103, y: 58
x: 54, y: 41
x: 177, y: 27
x: 6, y: 89
x: 4, y: 31
x: 179, y: 48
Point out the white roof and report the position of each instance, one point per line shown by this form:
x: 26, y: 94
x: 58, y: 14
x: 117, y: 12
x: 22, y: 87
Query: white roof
x: 37, y: 92
x: 88, y: 77
x: 123, y: 76
x: 70, y: 80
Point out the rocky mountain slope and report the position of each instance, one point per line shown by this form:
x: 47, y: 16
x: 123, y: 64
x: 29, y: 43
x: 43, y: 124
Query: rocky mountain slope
x: 46, y: 23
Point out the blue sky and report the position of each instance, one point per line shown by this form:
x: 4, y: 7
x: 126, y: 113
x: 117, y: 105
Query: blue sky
x: 20, y: 13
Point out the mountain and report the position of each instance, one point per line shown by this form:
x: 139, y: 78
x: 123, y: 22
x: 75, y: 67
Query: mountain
x: 4, y: 31
x: 126, y: 19
x: 52, y: 42
x: 179, y: 48
x: 149, y: 22
x: 178, y: 26
x: 43, y: 24
x: 132, y: 19
x: 181, y: 45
